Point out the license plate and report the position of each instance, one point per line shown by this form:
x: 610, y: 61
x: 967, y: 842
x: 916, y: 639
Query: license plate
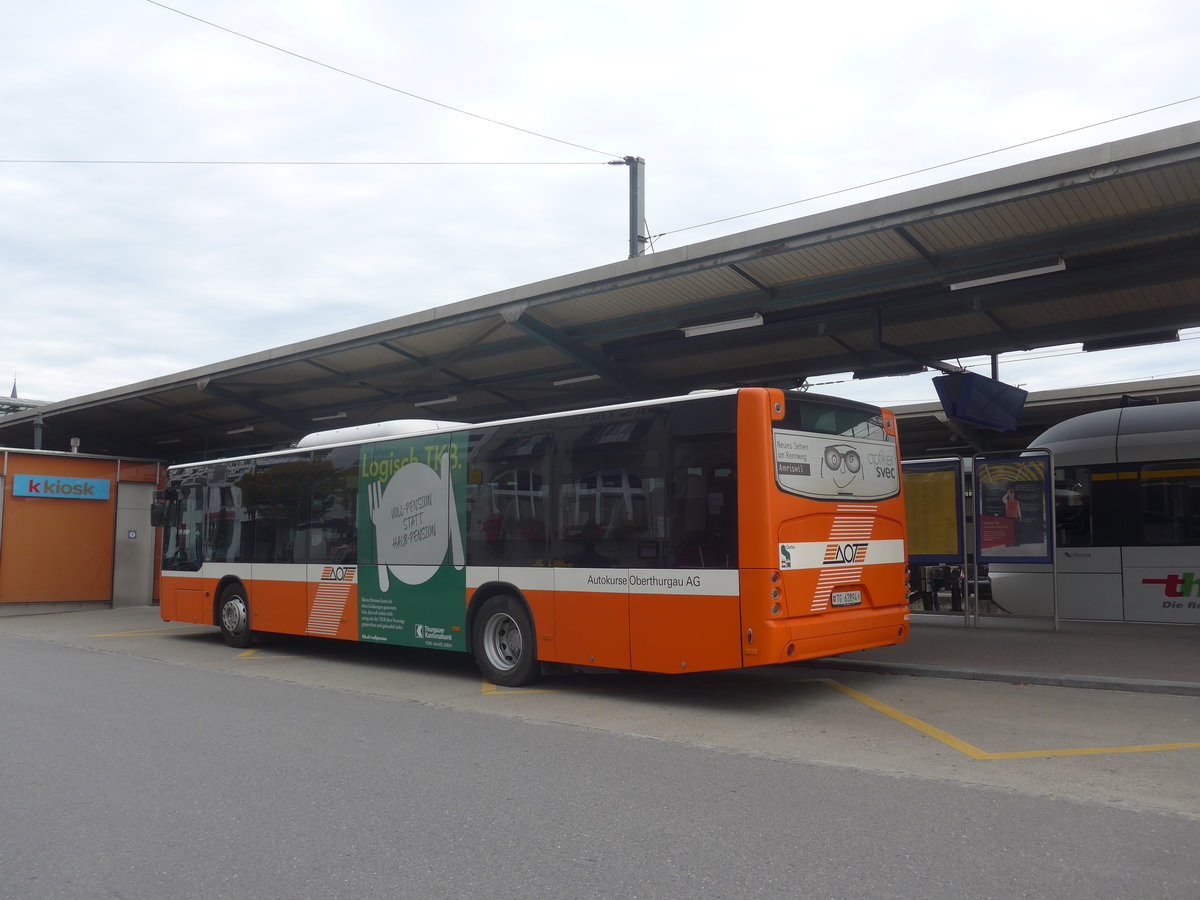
x: 845, y: 598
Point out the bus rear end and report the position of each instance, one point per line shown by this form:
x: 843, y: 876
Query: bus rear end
x: 822, y: 525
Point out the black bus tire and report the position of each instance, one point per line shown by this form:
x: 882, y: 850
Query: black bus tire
x: 233, y: 615
x: 503, y: 642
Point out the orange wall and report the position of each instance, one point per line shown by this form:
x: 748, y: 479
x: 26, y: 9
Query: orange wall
x: 58, y: 550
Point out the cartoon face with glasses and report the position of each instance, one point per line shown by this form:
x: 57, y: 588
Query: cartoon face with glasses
x: 842, y: 463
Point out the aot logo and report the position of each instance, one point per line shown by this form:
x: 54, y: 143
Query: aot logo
x: 338, y: 573
x: 844, y: 554
x: 56, y: 488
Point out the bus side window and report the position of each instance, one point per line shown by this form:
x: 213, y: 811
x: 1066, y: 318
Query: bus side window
x: 508, y: 497
x: 516, y: 527
x: 277, y: 493
x: 331, y: 527
x: 704, y: 504
x: 611, y: 487
x: 227, y: 522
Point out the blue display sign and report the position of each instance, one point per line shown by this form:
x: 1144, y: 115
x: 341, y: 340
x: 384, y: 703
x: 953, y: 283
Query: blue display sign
x: 57, y: 488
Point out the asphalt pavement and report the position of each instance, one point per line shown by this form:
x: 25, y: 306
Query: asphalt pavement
x: 1161, y: 659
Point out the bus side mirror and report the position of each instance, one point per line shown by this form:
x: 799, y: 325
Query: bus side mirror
x: 158, y: 509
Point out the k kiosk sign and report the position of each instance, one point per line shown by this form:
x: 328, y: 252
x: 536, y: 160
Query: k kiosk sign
x: 58, y: 488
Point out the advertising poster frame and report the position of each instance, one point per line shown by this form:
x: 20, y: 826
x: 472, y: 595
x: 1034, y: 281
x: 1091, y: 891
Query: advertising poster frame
x: 1014, y: 508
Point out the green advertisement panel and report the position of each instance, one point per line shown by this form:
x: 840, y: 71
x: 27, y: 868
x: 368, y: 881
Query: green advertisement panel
x: 411, y: 549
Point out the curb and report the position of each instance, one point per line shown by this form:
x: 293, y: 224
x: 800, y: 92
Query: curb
x: 1090, y: 682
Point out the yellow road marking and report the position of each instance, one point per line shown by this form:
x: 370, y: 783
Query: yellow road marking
x: 1094, y: 751
x: 911, y: 721
x: 488, y: 688
x: 252, y: 653
x: 975, y: 752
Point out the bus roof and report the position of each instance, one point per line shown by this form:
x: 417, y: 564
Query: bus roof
x: 383, y: 431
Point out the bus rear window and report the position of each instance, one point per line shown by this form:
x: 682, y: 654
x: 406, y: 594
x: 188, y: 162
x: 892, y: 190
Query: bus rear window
x: 820, y: 417
x: 828, y: 451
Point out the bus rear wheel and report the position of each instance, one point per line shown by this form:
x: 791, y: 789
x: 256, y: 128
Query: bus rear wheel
x: 233, y: 615
x: 503, y: 642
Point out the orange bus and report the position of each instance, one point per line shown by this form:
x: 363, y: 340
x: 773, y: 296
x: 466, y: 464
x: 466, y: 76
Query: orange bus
x: 718, y: 530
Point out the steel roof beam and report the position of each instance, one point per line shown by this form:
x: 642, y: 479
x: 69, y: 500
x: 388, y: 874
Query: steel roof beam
x: 635, y: 387
x: 296, y: 423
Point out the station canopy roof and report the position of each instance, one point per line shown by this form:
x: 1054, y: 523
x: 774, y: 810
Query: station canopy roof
x: 1099, y: 246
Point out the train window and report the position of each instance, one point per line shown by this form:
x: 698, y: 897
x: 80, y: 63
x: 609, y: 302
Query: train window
x: 1073, y: 506
x: 1170, y: 503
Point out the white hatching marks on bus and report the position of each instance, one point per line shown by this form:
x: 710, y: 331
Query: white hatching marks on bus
x: 831, y: 578
x: 330, y: 601
x: 852, y: 522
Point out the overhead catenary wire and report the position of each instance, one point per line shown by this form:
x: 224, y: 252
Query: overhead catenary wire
x: 650, y: 238
x: 385, y: 86
x: 931, y: 168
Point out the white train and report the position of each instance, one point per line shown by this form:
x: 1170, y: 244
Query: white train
x: 1127, y: 509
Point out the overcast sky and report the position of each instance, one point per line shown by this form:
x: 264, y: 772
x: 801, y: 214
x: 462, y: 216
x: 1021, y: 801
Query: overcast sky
x: 112, y: 274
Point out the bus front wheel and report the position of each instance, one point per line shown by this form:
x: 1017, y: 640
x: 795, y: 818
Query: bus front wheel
x: 503, y: 642
x: 233, y: 615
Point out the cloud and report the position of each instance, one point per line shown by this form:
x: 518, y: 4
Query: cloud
x: 130, y: 272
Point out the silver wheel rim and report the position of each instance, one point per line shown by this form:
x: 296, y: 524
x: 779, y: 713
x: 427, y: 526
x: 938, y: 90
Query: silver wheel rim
x: 233, y: 615
x: 502, y: 641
